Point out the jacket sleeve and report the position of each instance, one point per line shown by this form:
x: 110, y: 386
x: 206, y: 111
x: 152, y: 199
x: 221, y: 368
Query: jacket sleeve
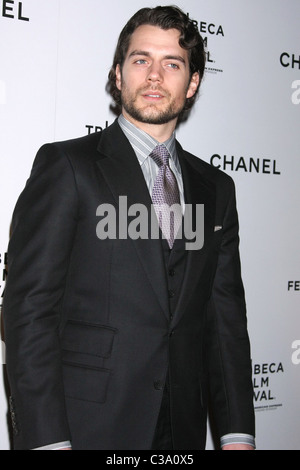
x: 43, y: 228
x: 230, y: 370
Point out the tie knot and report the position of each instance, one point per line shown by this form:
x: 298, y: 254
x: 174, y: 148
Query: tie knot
x: 160, y: 155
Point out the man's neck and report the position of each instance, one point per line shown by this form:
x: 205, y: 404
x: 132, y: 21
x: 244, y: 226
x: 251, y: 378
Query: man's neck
x: 159, y: 132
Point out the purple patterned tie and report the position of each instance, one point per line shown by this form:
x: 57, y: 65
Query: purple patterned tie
x: 165, y: 194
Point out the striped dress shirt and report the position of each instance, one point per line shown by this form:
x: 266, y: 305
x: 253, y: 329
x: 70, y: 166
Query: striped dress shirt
x: 143, y: 144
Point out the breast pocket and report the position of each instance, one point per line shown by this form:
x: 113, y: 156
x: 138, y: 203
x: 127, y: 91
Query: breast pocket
x: 217, y: 236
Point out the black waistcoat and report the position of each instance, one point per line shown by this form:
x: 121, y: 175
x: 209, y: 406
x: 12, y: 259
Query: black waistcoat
x: 175, y: 261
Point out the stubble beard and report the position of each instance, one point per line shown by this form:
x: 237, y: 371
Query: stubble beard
x: 150, y: 113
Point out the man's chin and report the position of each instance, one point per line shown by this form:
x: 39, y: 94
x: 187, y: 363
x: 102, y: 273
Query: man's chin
x: 152, y: 116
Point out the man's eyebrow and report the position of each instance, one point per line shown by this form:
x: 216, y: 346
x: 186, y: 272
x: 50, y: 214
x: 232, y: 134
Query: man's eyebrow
x: 138, y: 52
x: 179, y: 58
x: 175, y: 57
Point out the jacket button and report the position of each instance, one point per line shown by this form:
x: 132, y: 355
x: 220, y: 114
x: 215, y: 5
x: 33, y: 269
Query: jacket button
x: 158, y: 385
x: 171, y: 333
x: 171, y: 272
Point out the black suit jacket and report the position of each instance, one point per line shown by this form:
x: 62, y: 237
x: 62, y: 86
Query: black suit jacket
x: 88, y: 332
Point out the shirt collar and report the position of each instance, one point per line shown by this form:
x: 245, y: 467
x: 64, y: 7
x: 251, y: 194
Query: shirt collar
x: 143, y: 144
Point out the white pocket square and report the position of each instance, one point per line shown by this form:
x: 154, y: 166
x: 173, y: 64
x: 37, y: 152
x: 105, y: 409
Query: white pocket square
x: 218, y: 227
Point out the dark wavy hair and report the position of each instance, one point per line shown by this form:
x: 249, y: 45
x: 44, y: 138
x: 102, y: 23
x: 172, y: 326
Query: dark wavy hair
x: 165, y: 17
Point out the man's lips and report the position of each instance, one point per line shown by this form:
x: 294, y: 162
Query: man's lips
x: 152, y: 95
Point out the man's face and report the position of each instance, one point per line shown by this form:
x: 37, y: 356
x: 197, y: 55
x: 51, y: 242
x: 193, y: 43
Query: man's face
x: 155, y: 78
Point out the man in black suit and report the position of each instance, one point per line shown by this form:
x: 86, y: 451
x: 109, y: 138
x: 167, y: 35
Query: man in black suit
x: 116, y: 338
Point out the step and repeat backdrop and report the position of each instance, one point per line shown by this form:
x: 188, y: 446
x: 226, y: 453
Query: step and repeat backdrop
x: 54, y: 59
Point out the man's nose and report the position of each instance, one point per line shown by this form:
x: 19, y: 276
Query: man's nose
x: 155, y: 73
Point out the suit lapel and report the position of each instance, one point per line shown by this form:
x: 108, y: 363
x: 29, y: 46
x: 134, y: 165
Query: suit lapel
x: 197, y: 190
x: 123, y: 175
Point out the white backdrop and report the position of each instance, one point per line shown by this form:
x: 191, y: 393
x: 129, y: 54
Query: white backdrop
x: 54, y: 59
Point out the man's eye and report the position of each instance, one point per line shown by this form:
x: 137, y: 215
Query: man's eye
x: 173, y: 66
x: 140, y: 62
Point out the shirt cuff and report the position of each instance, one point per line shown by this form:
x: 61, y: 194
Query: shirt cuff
x: 236, y: 438
x: 57, y: 446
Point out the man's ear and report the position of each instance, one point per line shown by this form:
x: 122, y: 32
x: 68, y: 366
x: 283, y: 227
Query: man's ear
x: 193, y: 86
x: 118, y: 77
